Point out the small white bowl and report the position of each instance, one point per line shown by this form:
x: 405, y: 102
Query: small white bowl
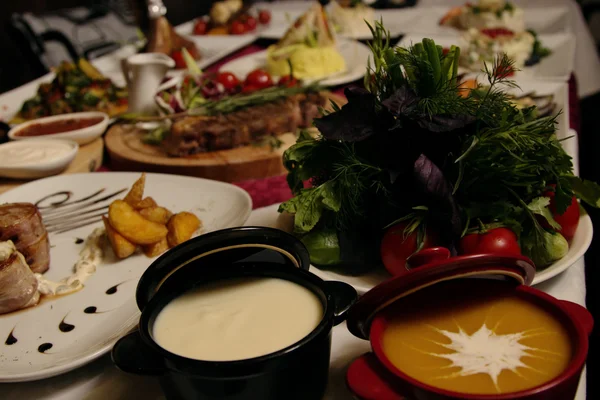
x: 81, y: 136
x: 36, y: 158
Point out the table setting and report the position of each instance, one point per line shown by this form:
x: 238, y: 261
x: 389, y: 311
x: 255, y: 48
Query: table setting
x: 306, y: 201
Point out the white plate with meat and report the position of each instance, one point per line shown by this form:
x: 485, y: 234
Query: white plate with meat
x: 355, y: 54
x: 63, y: 332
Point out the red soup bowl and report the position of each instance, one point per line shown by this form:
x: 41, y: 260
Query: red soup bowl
x: 434, y: 278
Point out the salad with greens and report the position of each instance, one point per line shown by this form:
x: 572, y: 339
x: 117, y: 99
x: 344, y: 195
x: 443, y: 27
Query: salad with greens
x: 413, y: 160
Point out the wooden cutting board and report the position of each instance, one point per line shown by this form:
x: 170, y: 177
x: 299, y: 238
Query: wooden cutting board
x: 88, y: 159
x: 128, y: 153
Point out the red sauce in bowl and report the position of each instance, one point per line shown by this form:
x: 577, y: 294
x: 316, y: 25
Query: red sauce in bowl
x: 60, y: 126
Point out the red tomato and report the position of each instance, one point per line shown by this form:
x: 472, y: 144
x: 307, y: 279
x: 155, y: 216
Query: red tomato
x: 259, y: 78
x: 396, y: 248
x: 250, y: 22
x: 237, y: 28
x: 249, y: 89
x: 569, y: 220
x: 200, y: 27
x: 229, y: 81
x: 288, y: 81
x: 264, y: 16
x: 177, y: 55
x: 495, y: 241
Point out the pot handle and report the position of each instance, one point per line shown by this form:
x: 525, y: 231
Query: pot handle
x: 580, y: 314
x: 364, y: 378
x: 130, y: 354
x: 344, y: 297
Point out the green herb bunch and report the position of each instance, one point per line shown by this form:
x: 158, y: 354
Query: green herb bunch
x: 415, y: 146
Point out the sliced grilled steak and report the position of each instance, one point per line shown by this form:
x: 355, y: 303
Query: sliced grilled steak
x: 18, y: 285
x: 22, y: 224
x: 192, y: 135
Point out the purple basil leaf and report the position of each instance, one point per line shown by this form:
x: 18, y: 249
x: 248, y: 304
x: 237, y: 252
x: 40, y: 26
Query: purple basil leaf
x: 402, y: 102
x: 431, y: 181
x: 356, y: 121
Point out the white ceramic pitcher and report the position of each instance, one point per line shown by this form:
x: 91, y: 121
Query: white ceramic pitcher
x: 144, y: 73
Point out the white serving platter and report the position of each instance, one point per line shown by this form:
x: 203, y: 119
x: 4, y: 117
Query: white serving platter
x: 557, y: 66
x: 355, y: 54
x: 105, y: 309
x: 553, y: 19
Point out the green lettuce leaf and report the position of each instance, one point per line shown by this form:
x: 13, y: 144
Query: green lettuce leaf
x: 309, y: 204
x: 539, y: 206
x: 585, y: 190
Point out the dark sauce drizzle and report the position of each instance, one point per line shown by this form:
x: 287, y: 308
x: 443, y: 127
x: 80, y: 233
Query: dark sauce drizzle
x: 113, y: 289
x: 64, y: 326
x: 44, y: 347
x: 90, y: 310
x: 79, y: 240
x: 11, y: 339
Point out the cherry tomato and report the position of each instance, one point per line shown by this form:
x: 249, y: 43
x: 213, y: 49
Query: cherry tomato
x: 250, y: 22
x: 264, y: 16
x: 495, y: 241
x: 177, y: 55
x: 396, y: 247
x: 249, y: 89
x: 229, y: 81
x: 288, y: 81
x: 259, y: 78
x: 569, y: 220
x: 237, y: 28
x: 200, y: 27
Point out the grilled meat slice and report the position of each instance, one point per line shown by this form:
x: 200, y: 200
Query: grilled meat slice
x: 18, y: 285
x: 22, y: 224
x: 198, y: 134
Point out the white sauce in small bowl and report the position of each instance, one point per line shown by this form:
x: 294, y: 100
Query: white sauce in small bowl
x: 36, y: 158
x: 20, y: 153
x: 237, y: 319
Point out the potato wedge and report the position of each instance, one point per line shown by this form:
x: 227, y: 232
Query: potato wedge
x: 122, y: 247
x: 181, y: 227
x: 156, y: 249
x: 157, y: 214
x: 146, y: 202
x: 136, y: 193
x: 133, y: 226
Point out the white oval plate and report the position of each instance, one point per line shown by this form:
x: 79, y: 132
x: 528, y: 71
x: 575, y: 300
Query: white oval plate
x: 269, y: 216
x: 355, y: 53
x: 219, y: 205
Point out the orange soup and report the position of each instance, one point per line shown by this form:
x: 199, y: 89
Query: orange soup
x: 490, y: 340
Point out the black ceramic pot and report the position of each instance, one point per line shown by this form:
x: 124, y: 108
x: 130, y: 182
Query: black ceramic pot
x: 297, y: 372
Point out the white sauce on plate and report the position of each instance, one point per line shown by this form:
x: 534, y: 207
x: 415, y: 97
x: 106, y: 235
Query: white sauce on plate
x: 89, y: 258
x: 28, y: 152
x: 237, y: 319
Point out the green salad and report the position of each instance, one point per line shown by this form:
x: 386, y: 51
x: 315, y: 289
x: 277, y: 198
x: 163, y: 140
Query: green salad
x: 414, y: 161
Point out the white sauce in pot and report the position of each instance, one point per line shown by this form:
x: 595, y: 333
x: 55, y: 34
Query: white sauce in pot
x: 28, y: 152
x: 237, y: 319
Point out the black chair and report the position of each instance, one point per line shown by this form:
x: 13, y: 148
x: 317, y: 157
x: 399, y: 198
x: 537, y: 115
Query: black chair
x: 33, y: 46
